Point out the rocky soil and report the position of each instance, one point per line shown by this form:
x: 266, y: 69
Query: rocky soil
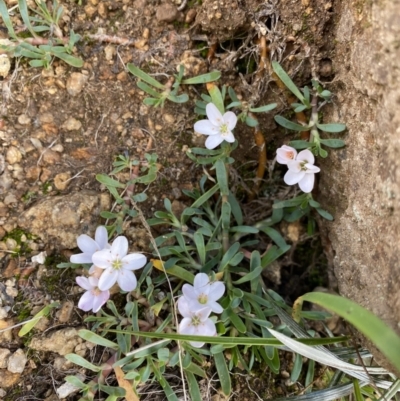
x: 61, y: 126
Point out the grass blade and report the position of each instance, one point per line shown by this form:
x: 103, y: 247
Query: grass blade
x: 6, y: 19
x: 144, y: 77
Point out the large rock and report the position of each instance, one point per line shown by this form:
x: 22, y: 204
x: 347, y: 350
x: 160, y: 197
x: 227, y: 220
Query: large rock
x: 361, y: 184
x: 59, y: 220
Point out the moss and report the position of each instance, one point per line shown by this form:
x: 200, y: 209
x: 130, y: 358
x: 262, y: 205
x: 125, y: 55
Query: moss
x: 21, y: 237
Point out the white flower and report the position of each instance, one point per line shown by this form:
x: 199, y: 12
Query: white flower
x: 203, y: 293
x: 93, y: 298
x: 219, y: 127
x: 118, y: 265
x: 195, y: 323
x: 89, y: 246
x: 285, y: 154
x: 301, y: 171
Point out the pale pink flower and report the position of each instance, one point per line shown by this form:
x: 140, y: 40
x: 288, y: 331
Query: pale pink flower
x: 285, y: 154
x: 301, y: 171
x: 203, y: 293
x: 195, y: 323
x: 93, y: 298
x: 219, y: 127
x: 89, y: 246
x: 118, y: 265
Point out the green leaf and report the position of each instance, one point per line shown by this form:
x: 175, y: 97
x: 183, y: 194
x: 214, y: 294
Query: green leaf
x: 250, y: 276
x: 216, y: 97
x: 300, y: 108
x: 337, y: 127
x: 323, y: 153
x: 139, y: 197
x: 23, y: 9
x: 76, y: 382
x: 290, y: 125
x: 275, y: 236
x: 236, y: 321
x: 357, y: 390
x: 251, y: 122
x: 333, y: 143
x: 96, y: 339
x: 284, y: 77
x: 244, y: 229
x: 363, y: 320
x: 78, y: 360
x: 226, y: 215
x: 37, y: 63
x: 27, y: 327
x: 71, y: 60
x: 108, y: 181
x: 273, y: 254
x: 262, y: 109
x: 229, y: 340
x: 201, y: 250
x: 178, y: 98
x: 194, y: 389
x: 144, y: 77
x: 297, y: 366
x: 236, y: 209
x: 206, y: 196
x: 6, y: 19
x: 300, y: 144
x: 222, y: 177
x: 298, y: 200
x: 202, y: 79
x: 229, y: 255
x: 326, y: 215
x: 148, y: 89
x: 223, y: 373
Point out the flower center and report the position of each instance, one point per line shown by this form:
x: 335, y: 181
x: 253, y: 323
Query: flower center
x: 303, y: 165
x: 223, y: 130
x: 195, y: 321
x: 202, y: 298
x: 290, y: 155
x: 117, y: 264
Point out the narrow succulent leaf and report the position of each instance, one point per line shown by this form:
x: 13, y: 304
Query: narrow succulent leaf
x: 7, y: 20
x: 326, y: 215
x: 28, y: 326
x: 223, y: 373
x: 336, y: 127
x: 80, y: 361
x: 284, y: 77
x: 193, y: 386
x: 183, y: 98
x: 333, y: 143
x: 263, y: 109
x: 284, y: 122
x: 71, y: 60
x: 216, y: 96
x: 96, y: 339
x: 203, y: 79
x: 144, y: 77
x: 23, y: 9
x: 108, y: 181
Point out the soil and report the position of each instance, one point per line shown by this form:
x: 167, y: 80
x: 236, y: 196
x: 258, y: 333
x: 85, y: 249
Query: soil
x: 62, y: 126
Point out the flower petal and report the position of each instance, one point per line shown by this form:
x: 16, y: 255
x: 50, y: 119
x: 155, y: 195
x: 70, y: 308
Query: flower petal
x: 207, y: 328
x: 186, y: 327
x: 108, y: 279
x: 93, y: 281
x: 292, y: 177
x: 228, y: 137
x: 103, y: 259
x: 306, y: 184
x: 203, y: 313
x: 119, y: 247
x: 196, y: 344
x: 100, y: 300
x: 86, y: 301
x: 81, y: 258
x: 294, y: 166
x: 189, y: 292
x: 285, y: 154
x: 126, y: 280
x: 311, y: 168
x: 101, y: 237
x: 134, y: 261
x: 214, y: 114
x: 87, y: 244
x: 230, y: 119
x: 217, y: 289
x: 215, y: 306
x: 306, y: 155
x: 201, y: 280
x: 213, y: 141
x: 205, y: 127
x: 183, y: 307
x: 84, y: 283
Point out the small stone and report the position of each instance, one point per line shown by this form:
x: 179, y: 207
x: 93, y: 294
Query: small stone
x: 50, y: 157
x: 65, y: 313
x: 23, y: 119
x: 72, y: 124
x: 32, y: 173
x: 169, y: 118
x: 5, y: 65
x: 45, y: 176
x: 67, y: 388
x: 17, y: 362
x: 146, y: 33
x: 8, y: 379
x: 2, y: 393
x: 102, y: 10
x: 46, y: 118
x: 11, y: 244
x: 90, y: 10
x: 75, y: 83
x: 109, y: 52
x: 166, y: 13
x: 13, y: 155
x: 3, y: 314
x: 5, y: 182
x: 58, y: 148
x: 122, y: 76
x: 190, y: 15
x: 61, y: 181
